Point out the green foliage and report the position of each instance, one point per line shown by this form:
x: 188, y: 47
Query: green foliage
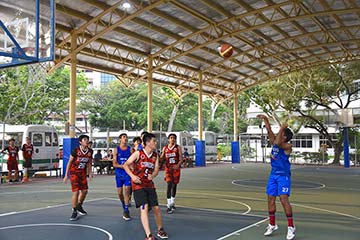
x: 224, y: 150
x: 300, y: 94
x: 25, y: 100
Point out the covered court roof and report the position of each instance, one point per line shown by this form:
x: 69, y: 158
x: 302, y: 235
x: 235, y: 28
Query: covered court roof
x: 181, y: 37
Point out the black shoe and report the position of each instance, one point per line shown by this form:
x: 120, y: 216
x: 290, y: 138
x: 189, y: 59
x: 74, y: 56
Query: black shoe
x: 81, y: 210
x: 162, y: 234
x: 173, y: 208
x: 151, y: 237
x: 126, y: 216
x: 169, y: 210
x: 74, y: 216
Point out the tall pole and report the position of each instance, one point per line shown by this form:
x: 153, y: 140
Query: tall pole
x: 356, y: 149
x: 200, y: 152
x: 149, y: 96
x: 262, y: 143
x: 72, y: 107
x: 346, y: 148
x: 235, y: 145
x: 235, y: 111
x: 200, y: 108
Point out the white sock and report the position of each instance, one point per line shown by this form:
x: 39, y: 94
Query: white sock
x: 168, y: 202
x: 172, y: 200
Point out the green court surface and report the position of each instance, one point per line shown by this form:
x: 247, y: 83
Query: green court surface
x: 325, y: 199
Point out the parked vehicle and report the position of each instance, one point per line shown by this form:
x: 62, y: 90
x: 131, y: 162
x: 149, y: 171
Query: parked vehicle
x: 43, y: 137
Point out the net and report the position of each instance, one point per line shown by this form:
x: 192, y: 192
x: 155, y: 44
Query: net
x: 37, y: 72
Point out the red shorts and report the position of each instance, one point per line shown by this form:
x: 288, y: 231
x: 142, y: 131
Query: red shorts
x: 12, y: 165
x: 78, y: 182
x: 172, y: 175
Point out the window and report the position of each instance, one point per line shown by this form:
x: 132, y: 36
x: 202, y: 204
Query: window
x: 48, y: 139
x: 183, y: 141
x: 302, y: 141
x: 56, y: 140
x: 106, y: 78
x: 37, y: 139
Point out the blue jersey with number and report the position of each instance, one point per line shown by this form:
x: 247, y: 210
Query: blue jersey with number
x: 122, y: 156
x: 280, y: 164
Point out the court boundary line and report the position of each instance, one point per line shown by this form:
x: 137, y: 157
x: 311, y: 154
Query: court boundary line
x: 242, y: 229
x: 59, y: 224
x: 325, y: 210
x: 48, y: 207
x: 250, y: 186
x: 264, y: 200
x: 209, y: 209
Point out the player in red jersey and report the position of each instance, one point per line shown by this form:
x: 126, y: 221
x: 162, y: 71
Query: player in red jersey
x: 145, y: 164
x: 27, y: 151
x: 172, y: 156
x: 79, y: 166
x: 12, y: 162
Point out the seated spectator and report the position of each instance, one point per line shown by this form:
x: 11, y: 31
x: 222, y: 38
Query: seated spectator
x: 97, y: 162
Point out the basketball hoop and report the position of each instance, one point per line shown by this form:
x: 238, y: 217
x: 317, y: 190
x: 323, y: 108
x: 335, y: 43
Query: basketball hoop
x: 30, y: 51
x: 37, y: 72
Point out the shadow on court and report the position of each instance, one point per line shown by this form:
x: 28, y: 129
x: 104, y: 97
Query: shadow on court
x: 104, y: 221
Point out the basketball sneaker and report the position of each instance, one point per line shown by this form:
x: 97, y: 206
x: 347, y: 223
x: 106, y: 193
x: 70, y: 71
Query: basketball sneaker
x: 151, y: 237
x: 270, y: 229
x: 173, y: 207
x: 81, y: 210
x: 126, y: 216
x: 74, y: 215
x: 162, y: 234
x: 290, y: 233
x: 169, y: 210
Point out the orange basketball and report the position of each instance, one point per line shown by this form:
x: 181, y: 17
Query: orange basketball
x: 226, y: 50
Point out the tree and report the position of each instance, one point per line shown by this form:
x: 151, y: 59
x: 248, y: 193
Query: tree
x: 29, y: 98
x: 302, y: 94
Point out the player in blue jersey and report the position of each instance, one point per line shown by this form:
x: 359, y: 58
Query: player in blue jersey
x: 279, y: 183
x: 123, y: 180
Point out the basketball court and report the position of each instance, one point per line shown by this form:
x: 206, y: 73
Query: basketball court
x: 220, y: 201
x: 174, y: 43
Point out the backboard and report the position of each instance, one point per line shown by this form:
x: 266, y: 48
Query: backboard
x: 26, y: 32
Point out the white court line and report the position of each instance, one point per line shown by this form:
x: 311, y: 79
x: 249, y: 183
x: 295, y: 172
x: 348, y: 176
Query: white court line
x: 242, y: 229
x: 263, y: 187
x: 43, y: 191
x: 48, y: 207
x: 325, y: 210
x: 59, y: 224
x: 246, y: 213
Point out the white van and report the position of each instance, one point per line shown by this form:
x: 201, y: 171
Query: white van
x: 45, y: 141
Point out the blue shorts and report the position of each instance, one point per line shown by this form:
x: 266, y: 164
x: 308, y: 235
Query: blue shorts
x: 121, y: 181
x: 278, y: 185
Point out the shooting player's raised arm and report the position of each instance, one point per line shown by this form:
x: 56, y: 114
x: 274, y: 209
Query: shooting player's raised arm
x: 271, y: 135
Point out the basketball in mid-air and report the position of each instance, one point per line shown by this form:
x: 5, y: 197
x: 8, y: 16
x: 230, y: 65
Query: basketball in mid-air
x: 225, y: 50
